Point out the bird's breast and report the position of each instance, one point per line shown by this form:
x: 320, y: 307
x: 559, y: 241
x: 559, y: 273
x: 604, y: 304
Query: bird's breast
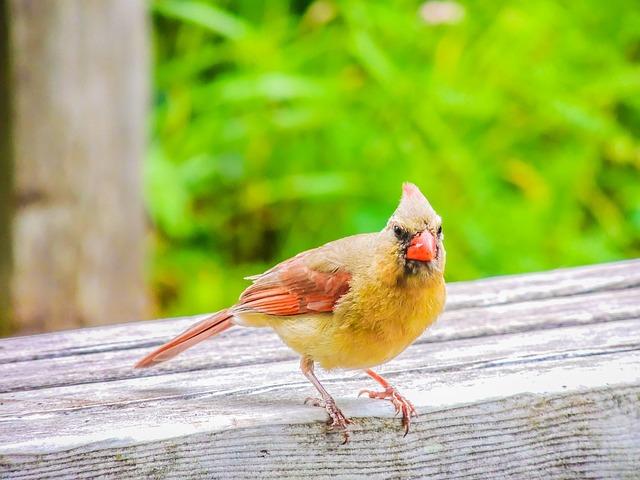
x: 370, y: 325
x: 381, y: 321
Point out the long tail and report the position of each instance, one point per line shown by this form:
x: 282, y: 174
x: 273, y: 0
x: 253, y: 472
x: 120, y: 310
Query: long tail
x: 210, y: 326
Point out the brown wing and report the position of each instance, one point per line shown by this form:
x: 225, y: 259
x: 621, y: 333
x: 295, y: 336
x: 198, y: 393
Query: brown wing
x: 295, y: 287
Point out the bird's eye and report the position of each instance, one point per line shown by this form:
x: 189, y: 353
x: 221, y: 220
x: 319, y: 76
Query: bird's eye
x: 398, y: 230
x: 440, y: 230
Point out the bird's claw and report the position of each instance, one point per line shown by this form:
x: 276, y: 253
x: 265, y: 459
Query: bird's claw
x: 337, y: 420
x: 399, y: 402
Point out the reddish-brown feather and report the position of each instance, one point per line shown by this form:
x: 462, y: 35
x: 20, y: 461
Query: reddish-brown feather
x: 293, y: 288
x: 210, y: 326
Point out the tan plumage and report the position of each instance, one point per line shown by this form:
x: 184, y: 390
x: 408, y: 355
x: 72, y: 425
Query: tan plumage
x: 353, y: 303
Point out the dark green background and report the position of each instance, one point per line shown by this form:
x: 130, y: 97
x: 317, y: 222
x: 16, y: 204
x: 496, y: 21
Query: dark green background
x: 279, y: 125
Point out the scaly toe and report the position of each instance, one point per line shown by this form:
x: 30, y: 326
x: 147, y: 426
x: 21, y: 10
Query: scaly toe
x: 400, y: 404
x: 314, y: 402
x: 337, y: 420
x: 369, y: 393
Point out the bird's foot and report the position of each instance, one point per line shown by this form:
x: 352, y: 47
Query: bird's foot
x: 400, y: 403
x: 337, y: 421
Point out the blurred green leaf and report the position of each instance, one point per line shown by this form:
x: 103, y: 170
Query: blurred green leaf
x: 204, y: 15
x: 280, y: 125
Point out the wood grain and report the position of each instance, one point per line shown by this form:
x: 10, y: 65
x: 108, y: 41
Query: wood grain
x: 429, y: 359
x: 259, y: 346
x: 539, y: 383
x: 494, y: 291
x: 6, y: 171
x: 79, y: 85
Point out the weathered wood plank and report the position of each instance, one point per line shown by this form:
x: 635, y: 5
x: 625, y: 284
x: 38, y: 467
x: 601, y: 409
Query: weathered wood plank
x: 257, y: 346
x: 462, y: 295
x: 569, y: 426
x: 467, y: 355
x: 554, y: 283
x: 541, y: 384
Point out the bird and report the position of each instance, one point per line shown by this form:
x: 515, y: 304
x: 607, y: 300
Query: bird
x: 353, y: 303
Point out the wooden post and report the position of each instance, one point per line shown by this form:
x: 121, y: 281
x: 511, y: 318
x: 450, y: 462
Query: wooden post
x: 6, y: 172
x: 79, y: 92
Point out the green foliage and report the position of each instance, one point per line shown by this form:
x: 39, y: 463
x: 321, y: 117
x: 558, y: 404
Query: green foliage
x: 280, y: 125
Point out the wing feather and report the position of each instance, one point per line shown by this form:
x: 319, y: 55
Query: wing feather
x: 293, y: 288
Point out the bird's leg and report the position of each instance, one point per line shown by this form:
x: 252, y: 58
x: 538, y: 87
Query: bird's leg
x: 338, y: 420
x: 390, y: 393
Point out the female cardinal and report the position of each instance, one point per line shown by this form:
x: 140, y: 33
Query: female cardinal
x: 353, y: 303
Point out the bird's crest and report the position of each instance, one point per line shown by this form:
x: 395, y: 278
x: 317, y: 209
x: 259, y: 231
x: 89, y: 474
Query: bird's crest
x: 414, y: 208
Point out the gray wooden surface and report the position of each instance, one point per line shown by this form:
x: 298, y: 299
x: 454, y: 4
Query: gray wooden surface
x: 533, y: 376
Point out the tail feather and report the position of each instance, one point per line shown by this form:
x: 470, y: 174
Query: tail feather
x: 210, y: 326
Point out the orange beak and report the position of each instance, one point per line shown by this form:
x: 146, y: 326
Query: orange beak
x: 422, y: 247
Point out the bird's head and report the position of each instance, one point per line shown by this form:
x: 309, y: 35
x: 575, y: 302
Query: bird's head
x: 416, y: 230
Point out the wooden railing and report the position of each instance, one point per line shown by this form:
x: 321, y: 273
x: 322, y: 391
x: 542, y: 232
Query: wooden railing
x: 528, y: 376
